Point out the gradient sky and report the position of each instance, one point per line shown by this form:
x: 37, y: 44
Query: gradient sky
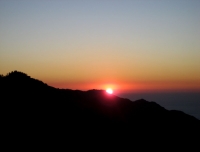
x: 86, y: 44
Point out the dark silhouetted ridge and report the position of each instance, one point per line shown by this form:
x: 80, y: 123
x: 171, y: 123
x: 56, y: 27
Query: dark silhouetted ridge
x: 32, y: 107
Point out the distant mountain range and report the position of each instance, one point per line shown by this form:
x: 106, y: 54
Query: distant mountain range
x: 30, y: 107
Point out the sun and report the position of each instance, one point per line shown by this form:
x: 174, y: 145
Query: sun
x: 109, y: 91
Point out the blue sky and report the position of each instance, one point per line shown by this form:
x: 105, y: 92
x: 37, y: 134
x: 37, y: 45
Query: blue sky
x: 108, y: 41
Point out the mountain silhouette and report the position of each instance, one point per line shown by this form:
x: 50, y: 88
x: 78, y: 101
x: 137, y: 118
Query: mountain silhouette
x: 32, y: 107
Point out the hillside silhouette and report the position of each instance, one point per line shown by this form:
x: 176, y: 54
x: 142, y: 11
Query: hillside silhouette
x: 31, y: 106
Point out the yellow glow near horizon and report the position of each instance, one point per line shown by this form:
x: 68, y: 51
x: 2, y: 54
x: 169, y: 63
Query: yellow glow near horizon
x: 123, y: 45
x: 109, y: 91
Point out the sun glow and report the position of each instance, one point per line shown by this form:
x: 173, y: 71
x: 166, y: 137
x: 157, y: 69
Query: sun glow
x: 109, y: 91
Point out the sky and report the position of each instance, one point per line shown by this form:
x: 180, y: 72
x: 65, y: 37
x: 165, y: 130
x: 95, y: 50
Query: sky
x: 128, y: 45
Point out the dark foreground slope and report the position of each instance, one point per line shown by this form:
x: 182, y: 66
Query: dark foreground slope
x: 31, y: 107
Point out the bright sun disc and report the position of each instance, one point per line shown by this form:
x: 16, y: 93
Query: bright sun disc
x: 109, y: 90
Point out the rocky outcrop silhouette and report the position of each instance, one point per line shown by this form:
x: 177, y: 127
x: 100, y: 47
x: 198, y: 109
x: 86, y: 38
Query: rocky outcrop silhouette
x: 31, y: 107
